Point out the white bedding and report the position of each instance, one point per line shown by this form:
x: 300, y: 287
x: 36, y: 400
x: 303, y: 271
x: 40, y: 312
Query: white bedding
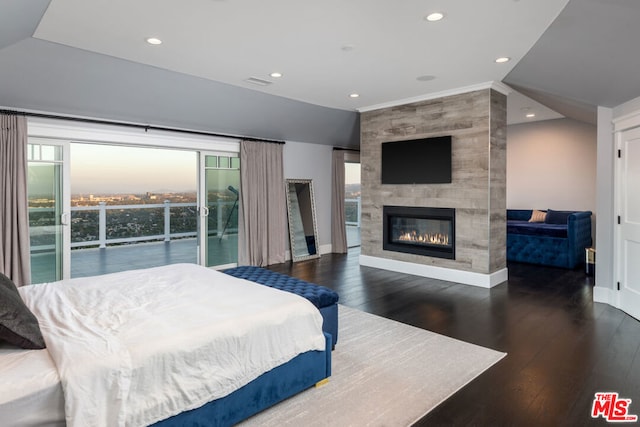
x: 136, y: 347
x: 30, y: 390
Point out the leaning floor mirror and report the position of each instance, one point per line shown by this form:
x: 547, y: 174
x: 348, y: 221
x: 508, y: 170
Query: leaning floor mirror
x: 303, y: 231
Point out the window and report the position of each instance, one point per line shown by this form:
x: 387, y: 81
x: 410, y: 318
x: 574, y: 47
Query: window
x: 352, y: 202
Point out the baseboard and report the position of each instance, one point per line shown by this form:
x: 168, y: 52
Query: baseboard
x: 326, y: 249
x: 605, y: 296
x: 441, y: 273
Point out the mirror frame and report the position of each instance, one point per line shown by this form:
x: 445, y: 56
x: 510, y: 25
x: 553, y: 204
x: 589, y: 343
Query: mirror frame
x: 295, y: 258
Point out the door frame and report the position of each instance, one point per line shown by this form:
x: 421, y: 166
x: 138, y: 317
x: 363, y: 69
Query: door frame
x: 620, y: 280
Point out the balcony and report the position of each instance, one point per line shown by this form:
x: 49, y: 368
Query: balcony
x: 111, y: 238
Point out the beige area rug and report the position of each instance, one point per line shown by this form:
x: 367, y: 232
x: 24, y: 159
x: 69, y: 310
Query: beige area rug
x: 385, y: 373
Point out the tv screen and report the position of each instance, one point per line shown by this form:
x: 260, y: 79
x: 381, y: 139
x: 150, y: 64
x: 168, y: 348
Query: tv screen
x: 419, y: 161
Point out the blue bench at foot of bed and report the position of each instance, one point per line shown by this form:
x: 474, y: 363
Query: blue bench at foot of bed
x: 325, y: 299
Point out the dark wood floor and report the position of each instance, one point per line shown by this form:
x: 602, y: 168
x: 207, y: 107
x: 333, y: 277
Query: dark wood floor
x: 562, y: 348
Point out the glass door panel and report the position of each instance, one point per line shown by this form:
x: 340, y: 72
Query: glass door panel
x: 131, y: 207
x: 221, y: 198
x: 45, y: 199
x: 352, y: 203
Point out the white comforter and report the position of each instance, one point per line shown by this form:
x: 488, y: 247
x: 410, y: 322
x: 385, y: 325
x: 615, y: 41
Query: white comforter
x: 136, y: 347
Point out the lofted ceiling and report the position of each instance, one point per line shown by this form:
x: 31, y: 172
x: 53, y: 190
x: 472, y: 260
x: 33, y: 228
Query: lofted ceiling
x: 91, y: 58
x: 383, y: 50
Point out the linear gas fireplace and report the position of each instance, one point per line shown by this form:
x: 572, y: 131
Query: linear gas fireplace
x: 421, y: 231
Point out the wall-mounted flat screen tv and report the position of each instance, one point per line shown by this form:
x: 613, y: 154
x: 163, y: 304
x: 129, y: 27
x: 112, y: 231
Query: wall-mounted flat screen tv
x: 418, y: 161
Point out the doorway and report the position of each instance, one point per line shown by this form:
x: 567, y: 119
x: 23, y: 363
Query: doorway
x: 352, y: 202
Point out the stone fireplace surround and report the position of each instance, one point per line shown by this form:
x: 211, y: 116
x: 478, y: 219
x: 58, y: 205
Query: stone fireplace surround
x: 476, y: 120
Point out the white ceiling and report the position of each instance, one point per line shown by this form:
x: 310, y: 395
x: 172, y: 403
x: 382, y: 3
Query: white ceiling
x: 325, y: 49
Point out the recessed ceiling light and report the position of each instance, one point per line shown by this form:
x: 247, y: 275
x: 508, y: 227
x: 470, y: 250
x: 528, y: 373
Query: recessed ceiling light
x: 276, y: 75
x: 530, y: 115
x: 503, y: 59
x: 154, y: 41
x: 354, y: 95
x: 433, y: 17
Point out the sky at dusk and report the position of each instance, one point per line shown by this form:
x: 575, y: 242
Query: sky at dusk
x: 108, y: 169
x: 352, y: 173
x: 98, y: 169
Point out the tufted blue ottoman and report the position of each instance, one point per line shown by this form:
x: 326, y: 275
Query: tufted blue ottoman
x: 324, y: 298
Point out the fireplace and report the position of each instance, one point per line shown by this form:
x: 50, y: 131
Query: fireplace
x: 421, y: 231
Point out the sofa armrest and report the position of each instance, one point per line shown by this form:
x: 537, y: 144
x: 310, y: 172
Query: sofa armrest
x: 579, y: 235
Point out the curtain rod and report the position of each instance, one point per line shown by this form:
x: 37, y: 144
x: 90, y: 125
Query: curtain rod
x: 134, y: 125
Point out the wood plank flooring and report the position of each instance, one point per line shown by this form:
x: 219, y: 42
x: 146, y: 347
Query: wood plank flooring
x: 562, y: 348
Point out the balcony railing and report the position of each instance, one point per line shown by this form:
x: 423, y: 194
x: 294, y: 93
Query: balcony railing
x: 352, y: 215
x: 352, y: 209
x: 103, y: 240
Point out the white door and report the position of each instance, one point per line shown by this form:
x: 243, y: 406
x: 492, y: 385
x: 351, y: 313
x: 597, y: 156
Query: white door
x: 629, y: 219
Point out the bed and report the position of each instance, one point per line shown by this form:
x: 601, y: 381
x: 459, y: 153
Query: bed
x: 173, y: 345
x: 325, y: 299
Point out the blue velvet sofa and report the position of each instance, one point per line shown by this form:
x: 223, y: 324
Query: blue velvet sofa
x: 559, y: 241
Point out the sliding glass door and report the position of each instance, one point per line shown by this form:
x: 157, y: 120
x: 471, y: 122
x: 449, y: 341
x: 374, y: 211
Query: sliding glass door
x: 97, y: 208
x: 220, y: 193
x: 48, y: 219
x: 131, y: 207
x: 352, y: 202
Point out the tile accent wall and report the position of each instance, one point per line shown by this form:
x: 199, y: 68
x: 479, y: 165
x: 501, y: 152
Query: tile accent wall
x: 477, y: 123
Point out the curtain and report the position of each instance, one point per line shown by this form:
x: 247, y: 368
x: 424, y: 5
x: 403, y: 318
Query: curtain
x: 263, y: 210
x: 338, y: 227
x: 15, y: 259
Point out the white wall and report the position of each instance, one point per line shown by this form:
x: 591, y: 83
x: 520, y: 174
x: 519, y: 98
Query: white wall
x: 605, y: 209
x: 313, y: 161
x: 551, y: 164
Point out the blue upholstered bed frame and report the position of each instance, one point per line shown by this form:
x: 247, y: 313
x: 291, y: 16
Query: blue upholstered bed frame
x: 284, y: 381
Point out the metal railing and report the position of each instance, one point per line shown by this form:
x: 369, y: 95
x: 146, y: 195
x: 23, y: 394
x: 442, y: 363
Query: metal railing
x: 102, y: 240
x: 358, y: 210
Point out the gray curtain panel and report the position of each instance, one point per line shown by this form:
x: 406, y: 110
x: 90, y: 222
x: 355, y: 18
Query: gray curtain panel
x: 15, y: 260
x: 338, y: 227
x: 263, y: 208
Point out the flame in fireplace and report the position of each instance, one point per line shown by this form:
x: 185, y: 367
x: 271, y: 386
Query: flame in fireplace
x: 426, y: 238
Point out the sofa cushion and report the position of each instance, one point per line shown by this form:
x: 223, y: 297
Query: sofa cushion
x: 557, y: 217
x: 538, y: 216
x: 537, y: 229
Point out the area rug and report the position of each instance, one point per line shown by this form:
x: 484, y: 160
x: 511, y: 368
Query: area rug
x: 385, y: 373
